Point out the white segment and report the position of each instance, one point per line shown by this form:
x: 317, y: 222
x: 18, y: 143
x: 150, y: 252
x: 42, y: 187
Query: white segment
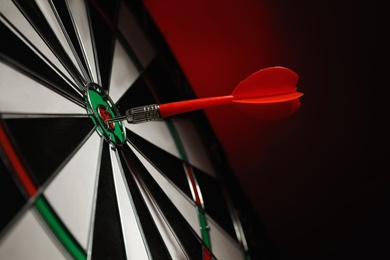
x: 29, y: 240
x: 12, y: 13
x: 123, y: 73
x: 156, y: 132
x: 135, y: 246
x: 72, y: 191
x: 80, y: 16
x: 183, y: 204
x: 53, y: 22
x: 223, y: 246
x: 169, y: 239
x: 193, y: 145
x: 21, y: 94
x: 133, y: 34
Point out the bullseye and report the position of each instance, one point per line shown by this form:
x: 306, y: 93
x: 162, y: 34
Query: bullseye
x: 104, y: 115
x: 101, y: 108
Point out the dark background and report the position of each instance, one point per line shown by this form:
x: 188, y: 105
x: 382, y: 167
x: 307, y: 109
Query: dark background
x: 318, y: 180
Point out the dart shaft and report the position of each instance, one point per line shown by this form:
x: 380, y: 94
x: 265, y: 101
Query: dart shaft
x: 155, y: 112
x: 194, y: 104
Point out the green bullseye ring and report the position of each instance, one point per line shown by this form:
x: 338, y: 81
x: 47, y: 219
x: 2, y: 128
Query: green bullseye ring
x: 101, y: 107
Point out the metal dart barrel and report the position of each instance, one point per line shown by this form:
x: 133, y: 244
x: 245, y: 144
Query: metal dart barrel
x: 140, y: 114
x: 143, y: 114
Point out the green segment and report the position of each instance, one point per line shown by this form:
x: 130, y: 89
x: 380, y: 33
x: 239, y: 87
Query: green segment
x: 59, y: 230
x: 96, y: 99
x: 204, y: 228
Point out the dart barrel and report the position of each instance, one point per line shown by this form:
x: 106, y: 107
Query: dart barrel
x: 143, y: 114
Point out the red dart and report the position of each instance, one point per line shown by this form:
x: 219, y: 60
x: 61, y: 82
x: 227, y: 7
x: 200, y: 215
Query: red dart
x: 267, y: 94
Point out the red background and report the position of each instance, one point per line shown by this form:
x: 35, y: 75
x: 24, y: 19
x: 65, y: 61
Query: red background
x: 318, y: 180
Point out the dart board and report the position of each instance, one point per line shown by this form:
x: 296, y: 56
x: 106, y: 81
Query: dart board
x: 77, y: 187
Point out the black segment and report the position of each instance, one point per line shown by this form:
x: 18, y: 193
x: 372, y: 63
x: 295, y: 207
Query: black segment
x: 171, y: 83
x: 109, y: 8
x: 63, y: 12
x: 161, y: 78
x: 108, y: 240
x: 34, y: 15
x: 152, y: 236
x: 214, y: 201
x: 15, y: 52
x: 136, y: 95
x: 47, y: 143
x: 186, y: 236
x: 169, y: 165
x: 155, y: 85
x: 11, y: 199
x: 103, y: 20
